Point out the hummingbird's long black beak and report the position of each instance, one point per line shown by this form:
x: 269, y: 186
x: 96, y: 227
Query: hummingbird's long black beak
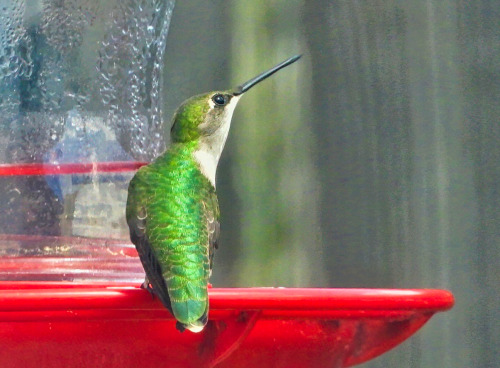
x: 252, y: 82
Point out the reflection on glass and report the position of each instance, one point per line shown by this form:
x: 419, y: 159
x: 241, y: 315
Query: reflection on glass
x: 80, y: 84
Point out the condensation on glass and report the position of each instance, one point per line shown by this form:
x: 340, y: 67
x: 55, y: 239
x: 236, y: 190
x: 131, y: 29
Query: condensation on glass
x: 80, y: 103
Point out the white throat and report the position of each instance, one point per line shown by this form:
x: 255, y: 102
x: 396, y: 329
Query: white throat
x: 208, y: 153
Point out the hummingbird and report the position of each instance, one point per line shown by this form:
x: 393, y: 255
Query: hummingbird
x: 172, y: 207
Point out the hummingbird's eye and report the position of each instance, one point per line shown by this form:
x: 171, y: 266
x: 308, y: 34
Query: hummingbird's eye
x: 219, y: 99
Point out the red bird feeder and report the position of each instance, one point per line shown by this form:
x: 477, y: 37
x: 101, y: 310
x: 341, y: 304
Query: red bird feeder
x: 94, y: 322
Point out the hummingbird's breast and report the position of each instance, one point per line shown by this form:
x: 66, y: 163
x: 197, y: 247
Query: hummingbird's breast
x: 210, y: 146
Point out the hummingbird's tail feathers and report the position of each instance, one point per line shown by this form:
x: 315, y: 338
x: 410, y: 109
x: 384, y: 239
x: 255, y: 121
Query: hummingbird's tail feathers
x: 198, y: 325
x: 191, y: 314
x: 195, y: 327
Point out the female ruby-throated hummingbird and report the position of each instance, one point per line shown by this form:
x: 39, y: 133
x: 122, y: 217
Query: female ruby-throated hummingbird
x: 172, y: 208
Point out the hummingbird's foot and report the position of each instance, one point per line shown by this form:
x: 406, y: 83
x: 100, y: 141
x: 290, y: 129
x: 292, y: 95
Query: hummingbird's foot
x: 146, y: 285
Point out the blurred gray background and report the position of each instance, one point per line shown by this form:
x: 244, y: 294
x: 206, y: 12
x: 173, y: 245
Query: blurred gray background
x: 372, y: 162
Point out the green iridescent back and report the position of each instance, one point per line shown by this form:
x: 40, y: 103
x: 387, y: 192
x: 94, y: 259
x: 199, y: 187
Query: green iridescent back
x: 172, y: 209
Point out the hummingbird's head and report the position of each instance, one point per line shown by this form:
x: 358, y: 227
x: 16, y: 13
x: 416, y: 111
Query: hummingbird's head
x: 205, y: 119
x: 201, y: 117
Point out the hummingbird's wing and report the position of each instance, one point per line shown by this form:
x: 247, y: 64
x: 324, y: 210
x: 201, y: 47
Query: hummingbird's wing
x: 213, y: 215
x: 137, y: 221
x: 149, y: 261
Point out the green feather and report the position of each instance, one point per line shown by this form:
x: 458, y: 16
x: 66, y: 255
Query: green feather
x: 178, y: 203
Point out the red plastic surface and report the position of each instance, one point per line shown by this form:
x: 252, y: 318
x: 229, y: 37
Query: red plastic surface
x: 120, y: 325
x: 69, y: 168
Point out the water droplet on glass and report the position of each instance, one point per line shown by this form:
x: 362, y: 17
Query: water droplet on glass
x: 80, y: 80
